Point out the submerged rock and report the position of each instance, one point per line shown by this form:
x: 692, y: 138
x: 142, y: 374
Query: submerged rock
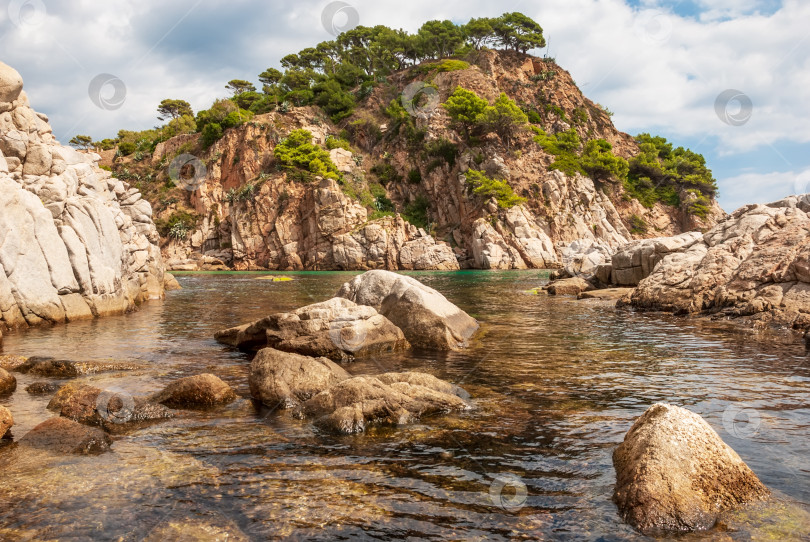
x: 7, y: 382
x: 425, y: 316
x: 10, y: 363
x: 114, y: 411
x: 569, y: 286
x: 60, y: 368
x: 675, y: 473
x: 338, y: 329
x: 198, y: 391
x: 284, y: 380
x: 6, y: 421
x: 63, y: 436
x: 41, y: 388
x: 607, y: 294
x: 354, y: 404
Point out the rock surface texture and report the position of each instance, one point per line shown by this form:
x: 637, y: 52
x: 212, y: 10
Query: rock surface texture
x: 425, y: 316
x: 754, y: 265
x: 198, y: 391
x: 6, y: 422
x: 63, y: 436
x: 674, y: 473
x: 74, y: 241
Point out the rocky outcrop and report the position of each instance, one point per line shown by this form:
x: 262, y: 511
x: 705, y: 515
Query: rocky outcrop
x: 754, y: 265
x: 338, y: 329
x: 74, y: 241
x: 63, y: 436
x: 7, y: 382
x: 637, y: 260
x: 425, y: 316
x: 6, y: 422
x: 355, y: 404
x: 285, y: 380
x: 570, y: 286
x: 198, y: 391
x: 61, y: 368
x: 674, y: 473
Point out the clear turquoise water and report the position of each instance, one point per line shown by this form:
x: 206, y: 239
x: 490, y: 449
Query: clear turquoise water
x: 556, y: 383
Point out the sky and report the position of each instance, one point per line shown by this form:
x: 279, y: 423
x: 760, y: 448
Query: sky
x: 727, y: 78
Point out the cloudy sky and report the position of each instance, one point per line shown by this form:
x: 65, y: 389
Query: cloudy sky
x: 727, y: 78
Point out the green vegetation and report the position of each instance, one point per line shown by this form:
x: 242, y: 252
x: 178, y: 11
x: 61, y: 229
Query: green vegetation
x: 297, y: 151
x: 637, y: 225
x: 178, y: 225
x: 416, y: 212
x: 493, y: 188
x: 333, y: 142
x: 472, y: 115
x: 386, y: 173
x: 595, y: 159
x: 81, y: 141
x: 174, y: 109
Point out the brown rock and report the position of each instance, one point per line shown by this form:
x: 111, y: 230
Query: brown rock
x: 338, y: 329
x: 607, y: 294
x: 6, y: 421
x: 425, y: 316
x: 63, y: 436
x: 41, y: 388
x: 570, y: 286
x: 11, y: 83
x: 284, y: 380
x: 10, y: 363
x: 170, y: 283
x: 674, y: 473
x: 60, y: 368
x: 7, y: 382
x: 198, y: 391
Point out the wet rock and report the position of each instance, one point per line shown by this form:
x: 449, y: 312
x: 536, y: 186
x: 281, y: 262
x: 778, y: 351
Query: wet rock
x: 425, y: 316
x: 196, y: 530
x: 114, y: 411
x: 41, y: 388
x: 198, y: 391
x: 10, y: 363
x: 60, y: 368
x: 674, y: 473
x: 63, y: 436
x: 7, y: 382
x: 607, y: 294
x: 570, y: 286
x: 6, y: 421
x: 338, y: 329
x: 354, y: 404
x: 284, y: 380
x: 170, y: 283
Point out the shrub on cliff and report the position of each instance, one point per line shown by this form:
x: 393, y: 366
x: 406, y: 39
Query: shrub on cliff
x: 297, y: 151
x: 504, y: 118
x: 599, y: 161
x: 493, y: 188
x: 465, y: 108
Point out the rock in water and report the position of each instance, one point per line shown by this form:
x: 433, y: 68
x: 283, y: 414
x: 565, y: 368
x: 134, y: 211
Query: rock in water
x: 199, y: 391
x: 570, y: 286
x: 63, y: 436
x: 674, y: 473
x: 283, y: 380
x: 338, y: 329
x: 426, y: 317
x: 6, y: 421
x: 7, y: 382
x: 75, y: 242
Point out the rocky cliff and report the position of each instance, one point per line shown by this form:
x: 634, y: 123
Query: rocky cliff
x: 241, y: 210
x: 74, y: 241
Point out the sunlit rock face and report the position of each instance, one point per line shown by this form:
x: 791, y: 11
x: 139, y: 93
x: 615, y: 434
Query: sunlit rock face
x: 74, y: 241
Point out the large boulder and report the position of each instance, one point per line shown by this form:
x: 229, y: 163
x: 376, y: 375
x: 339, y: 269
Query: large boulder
x: 636, y: 260
x: 674, y: 473
x: 198, y: 391
x: 11, y: 83
x: 426, y: 317
x: 284, y: 380
x: 338, y: 329
x: 355, y: 404
x: 569, y: 286
x: 6, y: 421
x: 7, y: 382
x: 63, y: 436
x: 755, y: 265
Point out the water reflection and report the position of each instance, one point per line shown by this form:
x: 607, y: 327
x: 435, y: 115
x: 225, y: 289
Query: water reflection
x: 556, y: 384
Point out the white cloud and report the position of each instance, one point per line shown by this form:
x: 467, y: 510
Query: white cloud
x: 763, y: 188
